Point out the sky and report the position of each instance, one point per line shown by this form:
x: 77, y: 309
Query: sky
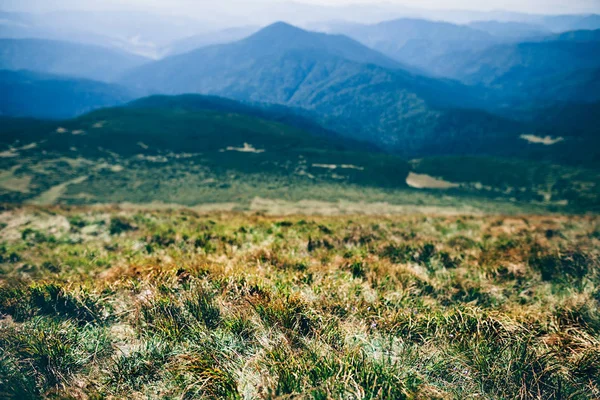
x: 529, y: 6
x: 532, y: 6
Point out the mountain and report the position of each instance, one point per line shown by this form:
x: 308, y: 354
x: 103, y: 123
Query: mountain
x: 513, y: 31
x: 415, y: 42
x: 209, y: 38
x: 17, y: 25
x: 528, y: 69
x: 564, y: 23
x: 32, y: 26
x: 275, y: 41
x: 65, y: 58
x: 32, y: 94
x: 349, y: 88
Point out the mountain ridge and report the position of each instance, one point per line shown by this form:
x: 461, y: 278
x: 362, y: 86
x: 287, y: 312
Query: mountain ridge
x: 32, y: 94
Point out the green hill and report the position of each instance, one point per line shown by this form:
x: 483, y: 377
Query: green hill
x: 287, y: 116
x: 193, y: 150
x: 171, y: 154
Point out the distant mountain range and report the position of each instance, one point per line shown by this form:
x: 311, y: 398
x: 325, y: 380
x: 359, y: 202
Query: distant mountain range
x: 564, y: 23
x: 402, y: 102
x: 522, y: 62
x: 511, y: 30
x: 535, y: 70
x: 415, y: 42
x: 336, y: 82
x: 350, y: 88
x: 154, y: 34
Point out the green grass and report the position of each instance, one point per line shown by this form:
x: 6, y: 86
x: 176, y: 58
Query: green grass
x: 113, y: 303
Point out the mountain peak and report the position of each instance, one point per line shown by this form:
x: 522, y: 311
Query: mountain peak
x: 282, y: 37
x: 280, y: 31
x: 282, y: 26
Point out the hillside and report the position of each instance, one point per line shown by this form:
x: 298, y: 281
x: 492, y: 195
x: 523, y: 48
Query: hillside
x: 580, y: 86
x: 292, y: 117
x: 66, y: 58
x: 522, y: 60
x: 194, y: 150
x: 30, y: 94
x: 203, y: 154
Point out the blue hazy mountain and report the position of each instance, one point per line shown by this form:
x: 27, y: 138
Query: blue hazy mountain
x: 547, y: 69
x: 415, y: 42
x: 31, y: 94
x: 564, y: 23
x: 512, y: 31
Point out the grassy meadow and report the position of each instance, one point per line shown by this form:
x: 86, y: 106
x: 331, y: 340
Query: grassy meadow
x: 109, y: 303
x: 112, y: 303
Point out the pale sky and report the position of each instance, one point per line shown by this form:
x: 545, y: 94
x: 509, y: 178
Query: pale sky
x: 534, y: 6
x: 530, y: 6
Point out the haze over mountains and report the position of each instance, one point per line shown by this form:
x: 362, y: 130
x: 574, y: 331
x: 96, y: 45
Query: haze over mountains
x: 66, y: 58
x: 524, y: 87
x: 151, y: 33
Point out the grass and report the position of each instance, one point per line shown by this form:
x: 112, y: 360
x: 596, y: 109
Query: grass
x: 106, y: 302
